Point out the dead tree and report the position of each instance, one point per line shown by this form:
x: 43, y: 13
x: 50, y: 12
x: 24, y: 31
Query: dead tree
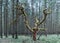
x: 35, y: 29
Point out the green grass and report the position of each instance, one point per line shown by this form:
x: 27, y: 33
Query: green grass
x: 28, y: 39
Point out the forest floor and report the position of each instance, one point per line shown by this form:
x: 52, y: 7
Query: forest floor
x: 28, y: 39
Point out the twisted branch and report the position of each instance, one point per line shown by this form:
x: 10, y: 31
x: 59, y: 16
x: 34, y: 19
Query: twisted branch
x: 37, y: 23
x: 26, y: 20
x: 44, y: 18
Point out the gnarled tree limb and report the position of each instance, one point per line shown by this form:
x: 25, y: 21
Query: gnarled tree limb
x: 44, y: 18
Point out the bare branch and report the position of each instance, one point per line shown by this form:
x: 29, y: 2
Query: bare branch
x: 44, y: 18
x: 26, y: 21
